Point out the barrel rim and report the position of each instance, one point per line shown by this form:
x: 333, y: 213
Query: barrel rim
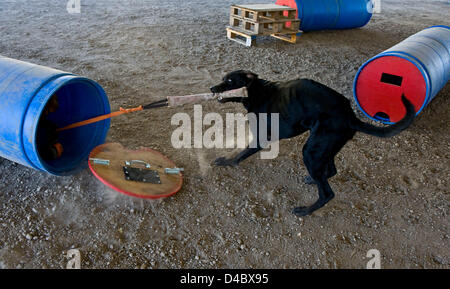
x: 24, y: 116
x: 73, y: 166
x: 441, y: 26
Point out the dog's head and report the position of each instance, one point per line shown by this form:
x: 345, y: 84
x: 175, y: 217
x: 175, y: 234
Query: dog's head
x: 235, y: 80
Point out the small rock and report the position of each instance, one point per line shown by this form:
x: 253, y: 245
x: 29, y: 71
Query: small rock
x: 439, y: 260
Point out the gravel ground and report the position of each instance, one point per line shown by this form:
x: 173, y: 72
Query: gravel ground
x: 391, y: 194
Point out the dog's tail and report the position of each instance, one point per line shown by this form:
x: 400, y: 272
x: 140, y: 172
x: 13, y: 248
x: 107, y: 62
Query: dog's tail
x: 391, y: 130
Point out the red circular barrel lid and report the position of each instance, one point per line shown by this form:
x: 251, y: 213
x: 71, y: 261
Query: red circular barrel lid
x: 138, y: 173
x: 381, y: 83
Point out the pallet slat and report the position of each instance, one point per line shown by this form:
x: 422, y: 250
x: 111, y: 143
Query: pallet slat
x: 291, y: 38
x: 264, y: 28
x: 264, y: 19
x: 234, y: 35
x: 263, y: 7
x: 247, y: 39
x: 244, y: 11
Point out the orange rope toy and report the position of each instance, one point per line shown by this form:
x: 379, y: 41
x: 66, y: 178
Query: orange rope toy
x: 100, y: 118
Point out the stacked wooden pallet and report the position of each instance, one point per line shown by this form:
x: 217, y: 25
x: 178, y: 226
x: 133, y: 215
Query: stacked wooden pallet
x: 249, y: 21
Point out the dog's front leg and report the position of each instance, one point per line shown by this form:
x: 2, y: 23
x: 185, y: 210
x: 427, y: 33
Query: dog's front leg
x: 238, y: 158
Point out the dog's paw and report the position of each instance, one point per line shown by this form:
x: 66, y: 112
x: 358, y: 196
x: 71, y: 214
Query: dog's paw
x: 224, y: 162
x: 221, y: 100
x: 301, y: 211
x: 309, y: 180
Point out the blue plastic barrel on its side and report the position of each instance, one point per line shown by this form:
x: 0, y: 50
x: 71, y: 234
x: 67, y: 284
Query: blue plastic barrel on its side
x: 331, y: 14
x: 25, y: 89
x: 429, y: 51
x: 354, y: 13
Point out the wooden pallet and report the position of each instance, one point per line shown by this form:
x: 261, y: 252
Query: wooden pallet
x: 246, y: 38
x: 266, y: 27
x: 261, y: 12
x: 249, y: 21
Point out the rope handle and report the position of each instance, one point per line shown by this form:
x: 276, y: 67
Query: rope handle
x: 128, y: 110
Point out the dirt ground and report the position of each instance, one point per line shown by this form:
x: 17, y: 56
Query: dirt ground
x: 391, y: 194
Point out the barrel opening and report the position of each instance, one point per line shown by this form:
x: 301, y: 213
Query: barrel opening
x: 391, y: 79
x: 382, y: 116
x: 76, y: 101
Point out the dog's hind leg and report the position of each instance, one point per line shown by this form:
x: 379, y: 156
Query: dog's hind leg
x: 325, y: 195
x: 318, y: 156
x: 330, y: 172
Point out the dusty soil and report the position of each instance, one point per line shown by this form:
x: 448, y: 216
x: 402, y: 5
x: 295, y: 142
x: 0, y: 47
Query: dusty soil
x: 391, y: 194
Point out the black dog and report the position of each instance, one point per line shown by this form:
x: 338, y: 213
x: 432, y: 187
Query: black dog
x: 304, y: 104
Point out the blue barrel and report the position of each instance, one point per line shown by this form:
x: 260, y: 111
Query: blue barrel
x: 418, y: 67
x: 330, y: 14
x: 25, y: 89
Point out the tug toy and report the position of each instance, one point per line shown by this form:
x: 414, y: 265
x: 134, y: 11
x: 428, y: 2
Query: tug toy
x: 169, y: 101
